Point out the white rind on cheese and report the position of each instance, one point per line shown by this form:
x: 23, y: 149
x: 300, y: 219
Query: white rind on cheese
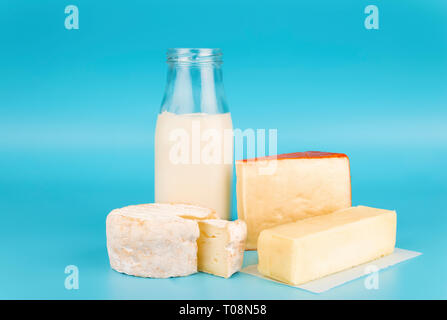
x: 221, y: 246
x: 187, y: 211
x: 302, y: 185
x: 312, y: 248
x: 155, y: 240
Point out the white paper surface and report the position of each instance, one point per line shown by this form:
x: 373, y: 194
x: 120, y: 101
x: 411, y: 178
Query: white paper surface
x: 336, y: 279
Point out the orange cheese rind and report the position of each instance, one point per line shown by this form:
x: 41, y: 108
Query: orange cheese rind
x: 298, y: 155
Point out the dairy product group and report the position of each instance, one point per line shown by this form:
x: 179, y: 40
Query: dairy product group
x: 299, y: 216
x: 300, y: 220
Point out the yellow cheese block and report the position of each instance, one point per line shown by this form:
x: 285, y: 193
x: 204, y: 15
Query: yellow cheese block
x: 312, y: 248
x: 273, y: 191
x: 221, y: 246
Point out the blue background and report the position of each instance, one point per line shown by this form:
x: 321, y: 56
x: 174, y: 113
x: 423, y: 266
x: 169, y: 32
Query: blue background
x: 78, y: 110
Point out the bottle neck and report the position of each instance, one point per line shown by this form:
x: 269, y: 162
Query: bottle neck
x: 194, y: 83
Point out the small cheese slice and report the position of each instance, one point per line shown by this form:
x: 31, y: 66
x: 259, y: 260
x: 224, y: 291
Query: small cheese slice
x: 279, y: 189
x: 312, y: 248
x: 155, y: 240
x: 221, y: 246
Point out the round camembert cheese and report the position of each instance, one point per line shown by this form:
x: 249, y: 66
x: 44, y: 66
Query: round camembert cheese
x: 155, y: 240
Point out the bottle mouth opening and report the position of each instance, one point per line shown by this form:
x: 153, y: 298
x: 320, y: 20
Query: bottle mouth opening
x: 194, y: 55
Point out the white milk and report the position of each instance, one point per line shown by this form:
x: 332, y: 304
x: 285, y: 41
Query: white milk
x: 193, y: 160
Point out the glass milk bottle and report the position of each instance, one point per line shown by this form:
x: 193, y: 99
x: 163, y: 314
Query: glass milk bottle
x: 193, y: 136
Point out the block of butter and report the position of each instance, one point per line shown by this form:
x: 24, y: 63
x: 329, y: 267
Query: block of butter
x: 279, y: 189
x: 312, y: 248
x: 168, y: 240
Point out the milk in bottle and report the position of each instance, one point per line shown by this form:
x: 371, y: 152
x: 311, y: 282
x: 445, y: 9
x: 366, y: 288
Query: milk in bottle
x: 193, y: 136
